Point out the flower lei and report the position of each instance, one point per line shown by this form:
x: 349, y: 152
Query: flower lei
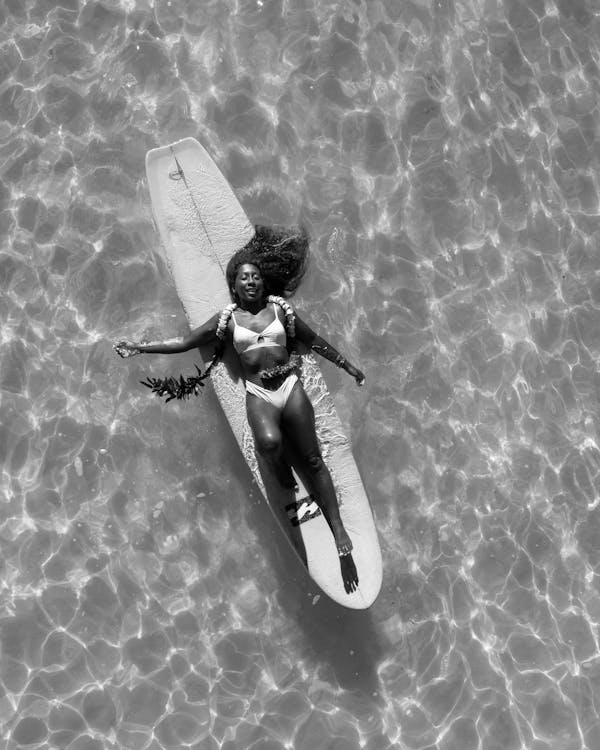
x: 290, y: 318
x: 181, y: 388
x: 224, y: 320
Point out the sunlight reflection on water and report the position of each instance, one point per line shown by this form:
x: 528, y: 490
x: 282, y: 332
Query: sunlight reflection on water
x: 442, y: 155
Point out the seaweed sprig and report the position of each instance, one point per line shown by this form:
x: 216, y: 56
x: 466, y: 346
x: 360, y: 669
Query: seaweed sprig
x: 177, y: 388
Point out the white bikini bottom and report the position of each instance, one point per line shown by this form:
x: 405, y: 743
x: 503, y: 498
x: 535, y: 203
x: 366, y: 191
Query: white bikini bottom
x: 278, y: 398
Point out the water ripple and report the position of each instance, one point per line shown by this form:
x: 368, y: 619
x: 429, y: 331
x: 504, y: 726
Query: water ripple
x: 444, y: 161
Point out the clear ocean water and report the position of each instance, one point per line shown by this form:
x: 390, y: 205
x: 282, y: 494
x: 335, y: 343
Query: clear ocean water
x: 444, y: 156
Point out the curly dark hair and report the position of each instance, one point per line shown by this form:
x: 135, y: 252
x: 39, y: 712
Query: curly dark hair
x: 281, y: 256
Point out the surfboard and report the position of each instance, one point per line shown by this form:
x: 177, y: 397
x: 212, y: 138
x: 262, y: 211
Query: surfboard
x: 201, y: 224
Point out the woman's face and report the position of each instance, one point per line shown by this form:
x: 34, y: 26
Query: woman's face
x: 249, y: 285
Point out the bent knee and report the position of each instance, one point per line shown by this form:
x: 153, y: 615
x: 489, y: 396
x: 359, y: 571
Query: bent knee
x: 314, y: 462
x: 268, y: 444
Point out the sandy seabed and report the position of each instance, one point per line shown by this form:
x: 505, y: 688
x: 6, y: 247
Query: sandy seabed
x: 443, y: 155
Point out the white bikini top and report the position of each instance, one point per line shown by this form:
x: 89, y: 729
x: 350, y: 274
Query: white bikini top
x: 245, y: 339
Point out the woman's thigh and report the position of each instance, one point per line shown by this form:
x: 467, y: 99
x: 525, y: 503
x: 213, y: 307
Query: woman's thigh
x: 264, y: 420
x: 298, y: 422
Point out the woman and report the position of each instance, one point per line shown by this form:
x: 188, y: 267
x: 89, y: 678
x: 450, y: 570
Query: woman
x: 263, y: 330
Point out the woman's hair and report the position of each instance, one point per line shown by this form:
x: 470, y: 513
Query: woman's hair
x: 281, y: 256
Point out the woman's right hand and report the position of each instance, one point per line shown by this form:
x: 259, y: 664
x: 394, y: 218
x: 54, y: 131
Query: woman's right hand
x: 126, y: 349
x: 355, y: 373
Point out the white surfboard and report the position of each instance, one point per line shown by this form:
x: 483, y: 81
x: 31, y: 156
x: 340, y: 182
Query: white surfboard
x: 201, y: 224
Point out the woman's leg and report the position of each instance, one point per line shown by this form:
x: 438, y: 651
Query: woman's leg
x: 298, y: 423
x: 264, y: 420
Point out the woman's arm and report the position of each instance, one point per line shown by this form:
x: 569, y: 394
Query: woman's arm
x: 201, y: 336
x: 310, y: 339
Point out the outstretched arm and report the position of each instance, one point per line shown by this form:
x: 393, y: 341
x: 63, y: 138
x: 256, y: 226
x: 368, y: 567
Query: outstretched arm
x: 205, y: 334
x: 312, y: 340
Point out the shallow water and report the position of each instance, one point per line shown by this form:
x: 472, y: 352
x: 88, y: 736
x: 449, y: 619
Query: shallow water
x: 443, y: 155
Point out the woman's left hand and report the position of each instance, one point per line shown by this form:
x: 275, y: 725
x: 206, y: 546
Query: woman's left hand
x: 355, y: 373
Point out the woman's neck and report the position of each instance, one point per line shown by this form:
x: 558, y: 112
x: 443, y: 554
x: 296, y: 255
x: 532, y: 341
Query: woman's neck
x: 253, y: 307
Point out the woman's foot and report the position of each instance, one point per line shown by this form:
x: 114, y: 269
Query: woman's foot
x: 342, y: 540
x: 348, y: 568
x: 349, y: 573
